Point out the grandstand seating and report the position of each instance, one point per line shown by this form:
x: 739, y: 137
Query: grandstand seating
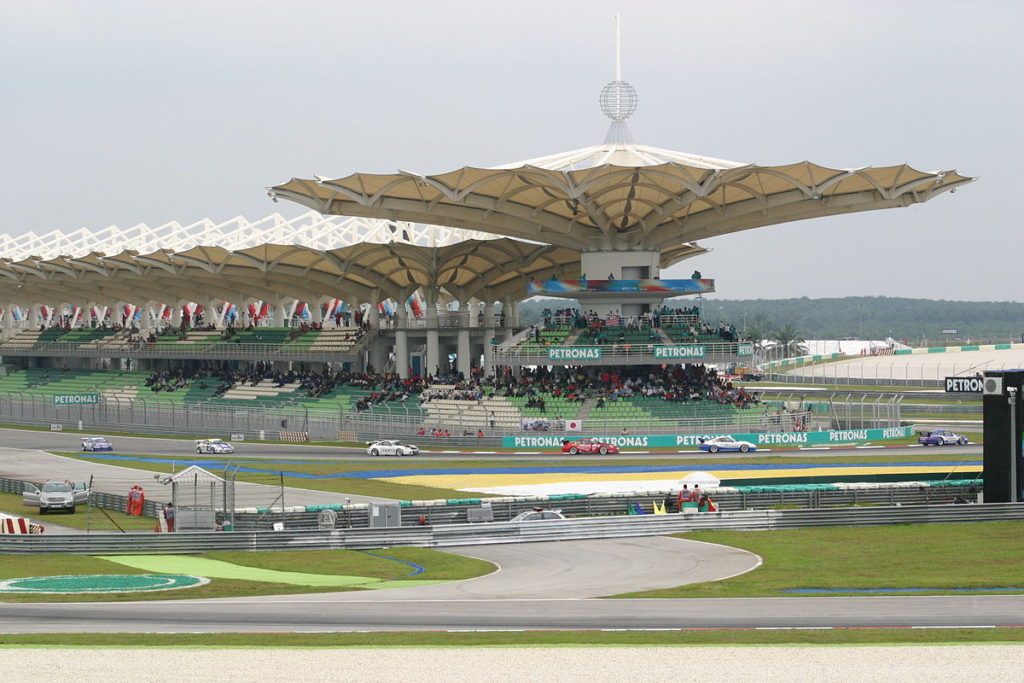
x: 619, y: 335
x: 638, y: 409
x: 555, y: 407
x: 336, y: 340
x: 548, y: 336
x: 473, y: 414
x: 682, y: 334
x: 83, y: 338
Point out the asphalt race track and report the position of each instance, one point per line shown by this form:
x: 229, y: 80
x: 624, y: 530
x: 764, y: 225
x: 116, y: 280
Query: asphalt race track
x: 539, y: 586
x: 69, y: 442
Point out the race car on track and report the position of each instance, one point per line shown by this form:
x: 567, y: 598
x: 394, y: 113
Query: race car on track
x: 96, y: 443
x: 726, y: 443
x: 588, y: 446
x: 390, y: 447
x: 214, y: 446
x: 941, y: 437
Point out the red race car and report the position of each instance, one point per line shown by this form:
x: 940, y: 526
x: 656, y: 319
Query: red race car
x: 588, y: 446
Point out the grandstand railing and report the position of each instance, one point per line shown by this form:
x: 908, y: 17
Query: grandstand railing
x: 384, y: 420
x: 400, y: 421
x: 715, y: 352
x: 221, y: 350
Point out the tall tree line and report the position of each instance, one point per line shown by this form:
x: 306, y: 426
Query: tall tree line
x: 867, y: 317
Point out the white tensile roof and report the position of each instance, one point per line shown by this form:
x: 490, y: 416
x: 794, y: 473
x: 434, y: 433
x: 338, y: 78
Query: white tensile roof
x: 311, y: 229
x: 620, y: 196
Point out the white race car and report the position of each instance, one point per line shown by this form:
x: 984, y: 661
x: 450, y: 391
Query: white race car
x: 390, y: 447
x: 726, y: 443
x: 214, y: 446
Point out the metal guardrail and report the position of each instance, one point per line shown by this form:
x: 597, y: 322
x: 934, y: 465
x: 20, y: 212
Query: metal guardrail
x: 505, y: 532
x: 442, y: 512
x: 437, y: 513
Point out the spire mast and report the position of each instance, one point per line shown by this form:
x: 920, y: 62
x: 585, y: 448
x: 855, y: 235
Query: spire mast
x: 618, y: 48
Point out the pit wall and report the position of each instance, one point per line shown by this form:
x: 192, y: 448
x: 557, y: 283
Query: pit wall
x: 693, y: 440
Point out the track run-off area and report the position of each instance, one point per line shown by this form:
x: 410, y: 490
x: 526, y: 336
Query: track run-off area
x: 551, y: 585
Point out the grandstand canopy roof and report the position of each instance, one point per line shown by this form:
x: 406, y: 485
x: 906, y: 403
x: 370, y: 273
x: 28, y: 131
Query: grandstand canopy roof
x: 620, y: 196
x: 488, y: 269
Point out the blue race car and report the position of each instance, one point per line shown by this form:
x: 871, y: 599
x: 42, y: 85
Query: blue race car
x: 942, y: 437
x: 726, y: 443
x: 96, y: 443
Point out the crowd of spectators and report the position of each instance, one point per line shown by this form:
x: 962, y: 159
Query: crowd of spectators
x: 687, y: 318
x: 683, y: 383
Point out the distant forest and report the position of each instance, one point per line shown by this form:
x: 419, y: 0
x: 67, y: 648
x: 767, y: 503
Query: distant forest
x: 870, y: 317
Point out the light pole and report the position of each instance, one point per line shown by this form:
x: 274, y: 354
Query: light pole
x: 1012, y: 400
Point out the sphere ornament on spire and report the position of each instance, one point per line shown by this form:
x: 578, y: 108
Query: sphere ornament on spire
x: 618, y: 100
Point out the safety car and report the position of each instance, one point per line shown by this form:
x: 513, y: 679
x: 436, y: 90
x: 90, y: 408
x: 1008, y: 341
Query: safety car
x: 55, y: 495
x: 537, y: 514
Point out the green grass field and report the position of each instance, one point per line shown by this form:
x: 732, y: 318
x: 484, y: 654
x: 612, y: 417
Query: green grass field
x: 94, y: 519
x: 439, y: 566
x: 874, y: 557
x: 697, y: 637
x: 938, y: 557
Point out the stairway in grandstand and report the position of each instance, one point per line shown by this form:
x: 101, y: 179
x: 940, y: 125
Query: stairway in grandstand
x: 469, y: 414
x: 266, y: 388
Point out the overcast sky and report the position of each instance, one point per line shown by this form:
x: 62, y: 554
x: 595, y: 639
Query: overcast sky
x: 119, y: 113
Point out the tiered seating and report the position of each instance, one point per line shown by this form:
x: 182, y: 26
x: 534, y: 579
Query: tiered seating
x: 261, y: 335
x: 472, y: 414
x: 647, y: 410
x: 549, y: 336
x: 555, y: 407
x: 86, y: 337
x: 264, y: 389
x: 617, y: 335
x: 680, y: 334
x: 337, y: 339
x: 23, y: 340
x: 192, y: 337
x: 51, y: 381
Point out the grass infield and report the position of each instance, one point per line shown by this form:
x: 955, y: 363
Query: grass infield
x: 692, y: 638
x: 439, y: 566
x: 937, y: 557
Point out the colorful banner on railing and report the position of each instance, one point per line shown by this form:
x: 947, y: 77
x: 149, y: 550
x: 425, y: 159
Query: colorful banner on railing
x: 574, y: 353
x: 676, y: 352
x: 693, y: 440
x: 577, y: 286
x: 745, y: 350
x: 75, y: 399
